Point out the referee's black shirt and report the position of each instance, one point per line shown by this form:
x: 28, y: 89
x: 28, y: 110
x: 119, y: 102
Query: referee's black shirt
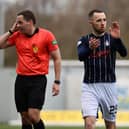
x: 99, y: 66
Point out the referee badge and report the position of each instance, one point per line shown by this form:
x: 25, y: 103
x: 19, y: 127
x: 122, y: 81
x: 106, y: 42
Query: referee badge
x: 54, y: 42
x: 35, y: 48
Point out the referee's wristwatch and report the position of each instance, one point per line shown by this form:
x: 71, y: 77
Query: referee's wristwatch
x: 10, y: 31
x: 57, y: 82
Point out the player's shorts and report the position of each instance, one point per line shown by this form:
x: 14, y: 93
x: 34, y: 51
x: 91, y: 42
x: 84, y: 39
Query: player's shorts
x: 30, y: 92
x: 101, y: 96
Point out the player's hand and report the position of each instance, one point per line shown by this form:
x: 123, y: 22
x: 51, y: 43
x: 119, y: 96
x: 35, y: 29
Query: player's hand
x: 115, y: 29
x: 55, y: 89
x: 94, y: 43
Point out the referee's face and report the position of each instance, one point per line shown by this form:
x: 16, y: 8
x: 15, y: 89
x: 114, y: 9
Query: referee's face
x: 98, y: 22
x: 23, y: 25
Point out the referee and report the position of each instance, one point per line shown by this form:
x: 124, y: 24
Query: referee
x: 98, y: 52
x: 35, y: 46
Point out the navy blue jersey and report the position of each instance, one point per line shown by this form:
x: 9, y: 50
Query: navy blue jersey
x: 99, y: 64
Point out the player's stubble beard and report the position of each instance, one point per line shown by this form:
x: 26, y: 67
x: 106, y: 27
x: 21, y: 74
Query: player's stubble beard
x: 99, y: 31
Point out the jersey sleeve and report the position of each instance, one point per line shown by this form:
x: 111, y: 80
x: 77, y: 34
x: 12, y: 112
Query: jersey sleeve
x: 12, y: 39
x: 52, y: 42
x: 118, y: 45
x: 83, y: 48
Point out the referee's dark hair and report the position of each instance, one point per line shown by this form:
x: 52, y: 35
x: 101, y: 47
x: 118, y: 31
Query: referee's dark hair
x: 91, y: 13
x: 28, y: 15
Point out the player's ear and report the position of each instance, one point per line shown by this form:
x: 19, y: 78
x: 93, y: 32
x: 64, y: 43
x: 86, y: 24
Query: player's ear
x: 90, y: 21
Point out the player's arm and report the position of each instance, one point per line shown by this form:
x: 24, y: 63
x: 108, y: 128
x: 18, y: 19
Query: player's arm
x: 119, y: 46
x: 83, y: 49
x: 56, y: 56
x: 117, y: 42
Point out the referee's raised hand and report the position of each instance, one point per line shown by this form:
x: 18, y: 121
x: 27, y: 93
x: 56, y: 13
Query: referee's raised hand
x: 14, y: 27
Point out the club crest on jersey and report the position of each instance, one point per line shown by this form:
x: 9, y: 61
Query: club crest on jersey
x: 35, y: 49
x: 54, y: 42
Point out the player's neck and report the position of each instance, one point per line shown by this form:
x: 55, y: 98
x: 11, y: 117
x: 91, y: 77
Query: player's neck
x: 98, y: 34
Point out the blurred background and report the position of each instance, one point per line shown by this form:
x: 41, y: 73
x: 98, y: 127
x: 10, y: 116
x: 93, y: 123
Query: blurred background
x: 67, y: 19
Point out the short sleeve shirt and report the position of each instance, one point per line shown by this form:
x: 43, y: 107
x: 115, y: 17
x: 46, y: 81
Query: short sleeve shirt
x: 33, y: 52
